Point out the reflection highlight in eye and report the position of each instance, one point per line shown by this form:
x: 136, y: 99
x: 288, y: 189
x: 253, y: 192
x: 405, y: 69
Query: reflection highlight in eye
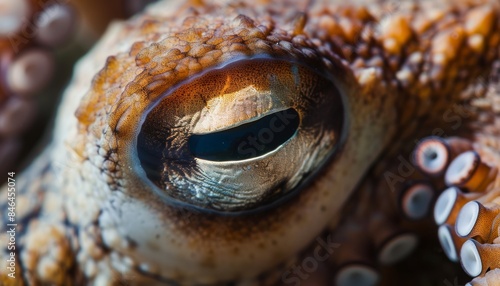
x: 241, y: 135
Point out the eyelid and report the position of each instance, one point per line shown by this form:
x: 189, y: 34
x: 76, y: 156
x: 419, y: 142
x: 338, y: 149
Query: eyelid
x: 231, y: 94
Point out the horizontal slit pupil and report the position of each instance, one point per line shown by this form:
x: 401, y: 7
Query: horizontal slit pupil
x: 248, y: 140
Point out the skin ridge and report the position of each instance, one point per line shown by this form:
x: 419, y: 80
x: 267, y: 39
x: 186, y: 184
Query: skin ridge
x: 360, y: 50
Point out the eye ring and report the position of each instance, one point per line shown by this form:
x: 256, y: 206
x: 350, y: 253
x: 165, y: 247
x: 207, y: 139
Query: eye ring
x: 229, y: 99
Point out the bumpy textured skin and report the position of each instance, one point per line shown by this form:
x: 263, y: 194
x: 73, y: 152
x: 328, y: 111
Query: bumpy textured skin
x: 407, y: 70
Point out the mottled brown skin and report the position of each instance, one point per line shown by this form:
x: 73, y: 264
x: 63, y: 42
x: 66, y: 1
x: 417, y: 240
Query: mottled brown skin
x: 400, y: 68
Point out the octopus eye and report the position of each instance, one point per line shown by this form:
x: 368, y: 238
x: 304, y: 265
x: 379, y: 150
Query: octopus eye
x: 228, y: 145
x: 241, y: 135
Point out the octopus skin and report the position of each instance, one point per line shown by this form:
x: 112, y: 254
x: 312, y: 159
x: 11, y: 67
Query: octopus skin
x: 125, y: 193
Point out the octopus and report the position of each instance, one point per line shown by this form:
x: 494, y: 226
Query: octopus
x: 263, y: 143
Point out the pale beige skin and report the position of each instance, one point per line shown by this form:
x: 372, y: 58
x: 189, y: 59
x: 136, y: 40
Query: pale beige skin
x: 88, y: 215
